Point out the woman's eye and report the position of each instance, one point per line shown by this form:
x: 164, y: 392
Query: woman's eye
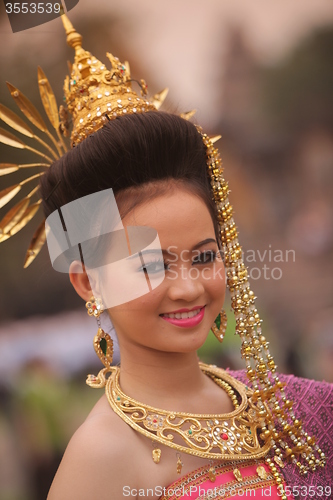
x: 205, y: 257
x: 154, y: 267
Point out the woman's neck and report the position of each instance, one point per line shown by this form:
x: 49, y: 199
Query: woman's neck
x: 170, y: 381
x: 160, y: 375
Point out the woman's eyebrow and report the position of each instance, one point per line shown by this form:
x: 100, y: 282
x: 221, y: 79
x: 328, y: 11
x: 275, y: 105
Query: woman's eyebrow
x: 204, y: 242
x: 165, y: 252
x: 147, y: 251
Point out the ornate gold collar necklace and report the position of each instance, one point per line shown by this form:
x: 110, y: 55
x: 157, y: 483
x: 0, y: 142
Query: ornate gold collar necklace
x: 231, y: 436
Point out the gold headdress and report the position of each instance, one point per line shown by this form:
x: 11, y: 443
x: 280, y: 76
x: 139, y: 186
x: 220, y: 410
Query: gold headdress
x: 94, y: 94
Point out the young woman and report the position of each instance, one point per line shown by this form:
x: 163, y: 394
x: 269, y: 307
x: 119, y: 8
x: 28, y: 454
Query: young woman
x: 138, y: 214
x: 156, y: 165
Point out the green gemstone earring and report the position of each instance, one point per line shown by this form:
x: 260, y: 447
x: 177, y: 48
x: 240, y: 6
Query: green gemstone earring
x: 220, y: 325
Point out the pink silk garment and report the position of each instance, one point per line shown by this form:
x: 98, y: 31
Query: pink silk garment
x: 198, y: 485
x: 313, y: 405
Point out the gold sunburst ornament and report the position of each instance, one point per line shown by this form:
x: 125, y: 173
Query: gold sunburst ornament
x: 91, y: 92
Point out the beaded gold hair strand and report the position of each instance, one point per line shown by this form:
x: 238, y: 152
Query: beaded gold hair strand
x: 284, y: 431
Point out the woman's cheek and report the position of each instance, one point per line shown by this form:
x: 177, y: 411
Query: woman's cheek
x: 216, y: 276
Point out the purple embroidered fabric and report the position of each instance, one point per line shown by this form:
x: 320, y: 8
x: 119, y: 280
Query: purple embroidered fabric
x: 313, y: 404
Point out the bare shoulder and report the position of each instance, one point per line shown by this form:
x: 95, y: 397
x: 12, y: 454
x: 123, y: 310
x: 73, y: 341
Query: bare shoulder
x: 96, y: 463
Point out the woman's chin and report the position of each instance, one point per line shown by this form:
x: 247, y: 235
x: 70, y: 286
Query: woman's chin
x: 191, y: 344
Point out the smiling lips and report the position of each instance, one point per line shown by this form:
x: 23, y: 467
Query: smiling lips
x: 185, y: 317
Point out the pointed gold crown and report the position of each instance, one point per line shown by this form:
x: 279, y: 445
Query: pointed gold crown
x: 95, y: 93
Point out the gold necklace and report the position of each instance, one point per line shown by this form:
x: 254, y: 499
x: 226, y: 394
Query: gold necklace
x: 231, y: 436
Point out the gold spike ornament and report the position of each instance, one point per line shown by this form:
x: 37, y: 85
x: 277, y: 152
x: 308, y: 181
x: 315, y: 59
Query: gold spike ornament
x: 93, y: 94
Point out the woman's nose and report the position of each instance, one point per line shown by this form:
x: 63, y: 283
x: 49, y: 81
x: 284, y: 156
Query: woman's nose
x: 185, y: 286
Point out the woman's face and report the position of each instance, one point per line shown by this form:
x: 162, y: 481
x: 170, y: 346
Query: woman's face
x: 194, y: 277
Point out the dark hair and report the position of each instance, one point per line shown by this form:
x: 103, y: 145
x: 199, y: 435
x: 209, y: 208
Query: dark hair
x: 130, y: 154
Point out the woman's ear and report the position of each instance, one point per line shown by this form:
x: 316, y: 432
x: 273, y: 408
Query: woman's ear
x: 80, y: 280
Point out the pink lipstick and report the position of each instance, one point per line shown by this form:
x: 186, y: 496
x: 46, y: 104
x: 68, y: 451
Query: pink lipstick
x: 186, y: 322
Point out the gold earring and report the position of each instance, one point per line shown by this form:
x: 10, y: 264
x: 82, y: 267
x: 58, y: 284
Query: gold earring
x: 103, y: 345
x: 220, y: 325
x: 95, y: 307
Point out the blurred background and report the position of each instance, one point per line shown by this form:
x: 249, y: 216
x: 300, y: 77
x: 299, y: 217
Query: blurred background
x: 261, y: 75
